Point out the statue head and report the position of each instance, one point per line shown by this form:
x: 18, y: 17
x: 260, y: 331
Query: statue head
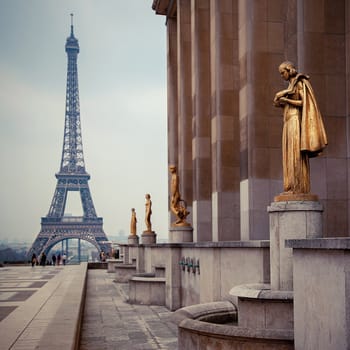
x: 289, y: 67
x: 172, y: 168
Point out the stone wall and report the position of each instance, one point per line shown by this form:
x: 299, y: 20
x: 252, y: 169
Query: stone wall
x: 321, y: 281
x: 205, y: 272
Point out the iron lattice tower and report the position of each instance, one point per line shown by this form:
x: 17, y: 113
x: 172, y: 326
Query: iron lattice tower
x: 56, y: 227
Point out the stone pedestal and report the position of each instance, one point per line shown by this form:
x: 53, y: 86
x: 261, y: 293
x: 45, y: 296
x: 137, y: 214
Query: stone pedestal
x: 180, y: 234
x: 290, y: 220
x: 148, y: 237
x: 321, y: 293
x: 261, y: 308
x: 133, y: 239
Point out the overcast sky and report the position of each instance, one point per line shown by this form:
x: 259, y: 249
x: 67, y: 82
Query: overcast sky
x: 122, y: 85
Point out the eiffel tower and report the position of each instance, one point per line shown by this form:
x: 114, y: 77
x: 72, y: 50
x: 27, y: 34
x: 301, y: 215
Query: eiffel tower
x: 55, y: 227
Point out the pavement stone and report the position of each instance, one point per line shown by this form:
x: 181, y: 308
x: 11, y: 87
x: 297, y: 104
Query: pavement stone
x: 109, y: 322
x: 40, y: 307
x: 38, y: 310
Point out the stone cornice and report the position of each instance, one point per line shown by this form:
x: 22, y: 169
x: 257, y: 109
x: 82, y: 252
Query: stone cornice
x: 165, y: 8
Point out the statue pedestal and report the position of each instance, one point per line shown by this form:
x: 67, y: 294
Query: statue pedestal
x: 290, y: 220
x: 148, y: 237
x: 133, y: 239
x: 292, y: 197
x: 180, y: 234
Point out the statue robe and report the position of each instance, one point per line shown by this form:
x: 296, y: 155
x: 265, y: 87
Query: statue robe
x: 303, y: 136
x: 313, y: 137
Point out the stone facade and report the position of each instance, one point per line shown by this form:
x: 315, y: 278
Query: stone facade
x: 224, y: 136
x: 196, y: 273
x: 224, y: 133
x: 321, y: 293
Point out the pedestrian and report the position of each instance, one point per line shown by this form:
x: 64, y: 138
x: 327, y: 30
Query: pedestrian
x: 43, y: 259
x: 34, y: 260
x: 58, y: 259
x: 64, y: 258
x: 53, y: 259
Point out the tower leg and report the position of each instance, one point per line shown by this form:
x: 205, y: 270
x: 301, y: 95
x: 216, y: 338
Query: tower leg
x: 79, y: 252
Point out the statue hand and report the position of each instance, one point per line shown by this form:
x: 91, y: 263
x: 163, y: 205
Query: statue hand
x: 276, y: 102
x: 283, y: 100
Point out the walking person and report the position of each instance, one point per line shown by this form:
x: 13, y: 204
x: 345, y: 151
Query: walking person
x: 34, y: 260
x: 64, y: 258
x: 43, y: 259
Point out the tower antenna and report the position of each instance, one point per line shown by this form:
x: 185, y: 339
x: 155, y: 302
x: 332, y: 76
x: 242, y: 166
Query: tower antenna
x: 71, y: 24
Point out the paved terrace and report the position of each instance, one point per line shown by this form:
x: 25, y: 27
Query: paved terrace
x: 43, y: 308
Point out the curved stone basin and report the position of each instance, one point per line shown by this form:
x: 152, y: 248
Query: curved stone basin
x: 214, y: 326
x: 259, y: 307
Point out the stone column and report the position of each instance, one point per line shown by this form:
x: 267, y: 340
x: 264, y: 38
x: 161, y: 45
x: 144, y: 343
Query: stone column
x: 140, y: 259
x: 201, y: 143
x: 261, y: 50
x: 173, y: 279
x: 126, y: 254
x: 185, y: 166
x: 323, y: 28
x: 172, y: 91
x: 225, y: 119
x: 290, y: 220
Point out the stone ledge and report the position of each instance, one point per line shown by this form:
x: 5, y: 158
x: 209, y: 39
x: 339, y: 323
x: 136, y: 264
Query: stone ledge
x: 123, y: 272
x: 222, y: 244
x: 146, y: 279
x: 55, y: 309
x: 147, y: 290
x: 260, y: 291
x: 112, y: 264
x: 205, y: 310
x: 124, y: 266
x: 228, y: 331
x: 319, y: 243
x: 215, y: 323
x: 144, y: 274
x: 97, y: 265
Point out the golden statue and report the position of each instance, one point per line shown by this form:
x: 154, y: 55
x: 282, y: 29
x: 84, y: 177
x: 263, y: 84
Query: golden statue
x: 303, y: 134
x: 177, y: 205
x: 148, y: 212
x: 133, y: 222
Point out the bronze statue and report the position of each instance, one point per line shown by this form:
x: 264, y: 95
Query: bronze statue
x: 148, y: 212
x: 177, y: 205
x: 303, y: 134
x: 133, y: 222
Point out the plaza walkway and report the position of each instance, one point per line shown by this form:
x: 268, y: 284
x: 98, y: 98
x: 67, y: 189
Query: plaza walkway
x: 109, y: 322
x: 40, y: 308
